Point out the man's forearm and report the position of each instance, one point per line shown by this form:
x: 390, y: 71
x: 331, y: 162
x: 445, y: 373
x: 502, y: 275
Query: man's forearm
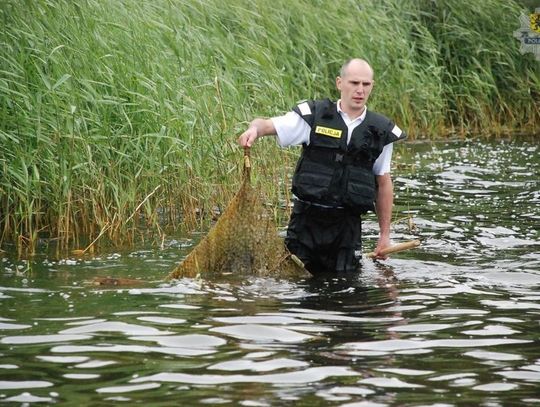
x: 264, y: 127
x: 384, y: 204
x: 257, y: 128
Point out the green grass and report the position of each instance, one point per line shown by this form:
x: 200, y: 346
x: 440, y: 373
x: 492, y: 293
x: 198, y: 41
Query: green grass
x: 119, y: 117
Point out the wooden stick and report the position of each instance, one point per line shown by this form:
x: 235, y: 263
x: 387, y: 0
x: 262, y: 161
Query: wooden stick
x: 247, y: 164
x: 396, y: 248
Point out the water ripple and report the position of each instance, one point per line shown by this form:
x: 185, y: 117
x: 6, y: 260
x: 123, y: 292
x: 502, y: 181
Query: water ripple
x: 419, y: 327
x: 25, y: 384
x: 264, y: 366
x: 392, y: 345
x: 389, y: 382
x: 262, y: 319
x: 527, y: 375
x: 262, y: 333
x: 494, y: 387
x: 28, y: 398
x: 162, y: 320
x: 63, y: 359
x: 311, y: 375
x: 492, y: 330
x: 132, y: 349
x: 122, y: 327
x: 35, y: 339
x: 191, y: 341
x: 406, y: 372
x: 511, y: 304
x: 129, y: 388
x: 499, y: 356
x: 7, y: 326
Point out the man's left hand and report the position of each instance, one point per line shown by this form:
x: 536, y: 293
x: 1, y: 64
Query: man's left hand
x: 383, y: 243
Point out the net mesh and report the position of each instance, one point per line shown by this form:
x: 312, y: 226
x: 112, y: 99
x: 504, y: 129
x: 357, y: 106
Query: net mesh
x: 244, y: 240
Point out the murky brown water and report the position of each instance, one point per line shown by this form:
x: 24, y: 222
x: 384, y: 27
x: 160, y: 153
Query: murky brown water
x: 454, y: 323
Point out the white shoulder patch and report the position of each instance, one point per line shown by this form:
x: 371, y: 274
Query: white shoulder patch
x: 396, y: 131
x: 304, y: 108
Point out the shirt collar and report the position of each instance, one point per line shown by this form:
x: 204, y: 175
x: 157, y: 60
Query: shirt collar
x: 346, y: 116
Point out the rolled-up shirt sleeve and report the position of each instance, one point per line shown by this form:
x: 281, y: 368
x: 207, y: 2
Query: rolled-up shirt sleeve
x: 382, y: 163
x: 291, y: 129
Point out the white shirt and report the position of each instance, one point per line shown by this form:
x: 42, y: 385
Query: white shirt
x: 292, y: 130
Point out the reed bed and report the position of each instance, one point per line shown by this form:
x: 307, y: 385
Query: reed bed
x: 119, y: 118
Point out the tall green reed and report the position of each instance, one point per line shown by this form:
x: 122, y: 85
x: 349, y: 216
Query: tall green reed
x: 487, y: 85
x: 121, y: 116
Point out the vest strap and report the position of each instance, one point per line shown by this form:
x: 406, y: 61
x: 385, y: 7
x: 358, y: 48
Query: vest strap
x: 337, y: 158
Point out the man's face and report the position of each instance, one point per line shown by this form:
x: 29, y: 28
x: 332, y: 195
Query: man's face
x: 355, y: 87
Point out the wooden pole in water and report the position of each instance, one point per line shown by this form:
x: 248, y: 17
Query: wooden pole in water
x: 396, y: 248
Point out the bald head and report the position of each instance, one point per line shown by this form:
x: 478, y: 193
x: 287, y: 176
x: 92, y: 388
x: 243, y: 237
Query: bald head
x: 356, y: 65
x: 354, y: 84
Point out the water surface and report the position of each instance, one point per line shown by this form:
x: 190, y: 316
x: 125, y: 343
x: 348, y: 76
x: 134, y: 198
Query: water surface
x: 453, y: 323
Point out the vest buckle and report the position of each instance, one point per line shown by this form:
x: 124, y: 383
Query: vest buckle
x: 338, y: 157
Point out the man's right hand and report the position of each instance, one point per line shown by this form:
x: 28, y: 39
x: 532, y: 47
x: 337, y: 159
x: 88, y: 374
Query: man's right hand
x: 248, y: 137
x: 257, y: 128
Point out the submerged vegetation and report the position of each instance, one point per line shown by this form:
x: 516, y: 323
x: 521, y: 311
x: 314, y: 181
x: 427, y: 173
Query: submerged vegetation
x: 121, y: 116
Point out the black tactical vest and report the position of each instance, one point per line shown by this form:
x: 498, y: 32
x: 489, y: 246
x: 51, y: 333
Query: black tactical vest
x: 329, y: 171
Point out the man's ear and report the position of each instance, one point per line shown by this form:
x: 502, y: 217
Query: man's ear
x: 338, y: 83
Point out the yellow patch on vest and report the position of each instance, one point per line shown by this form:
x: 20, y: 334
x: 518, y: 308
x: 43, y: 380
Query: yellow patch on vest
x: 326, y: 131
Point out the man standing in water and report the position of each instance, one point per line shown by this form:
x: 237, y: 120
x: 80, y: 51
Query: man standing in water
x: 343, y: 172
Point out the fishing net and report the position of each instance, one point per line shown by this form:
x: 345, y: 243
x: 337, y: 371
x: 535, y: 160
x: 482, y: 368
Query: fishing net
x: 244, y: 240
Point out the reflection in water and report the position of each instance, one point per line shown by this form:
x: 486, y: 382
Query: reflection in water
x: 452, y: 323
